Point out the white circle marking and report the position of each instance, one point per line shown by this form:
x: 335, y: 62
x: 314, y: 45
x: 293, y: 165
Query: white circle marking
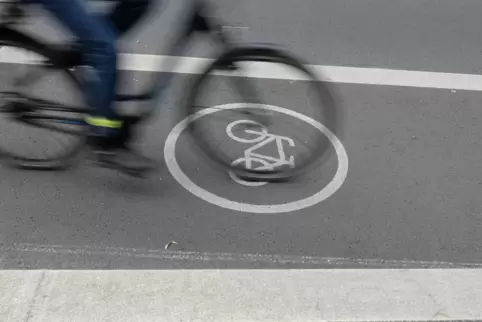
x: 189, y: 185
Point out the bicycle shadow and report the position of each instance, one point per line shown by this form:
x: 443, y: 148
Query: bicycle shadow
x: 84, y: 177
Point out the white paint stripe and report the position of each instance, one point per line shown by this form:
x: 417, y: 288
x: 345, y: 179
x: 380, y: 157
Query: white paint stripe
x: 274, y: 259
x: 336, y: 74
x: 242, y: 295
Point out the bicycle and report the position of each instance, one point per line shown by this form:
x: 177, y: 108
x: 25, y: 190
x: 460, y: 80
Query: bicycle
x: 35, y: 112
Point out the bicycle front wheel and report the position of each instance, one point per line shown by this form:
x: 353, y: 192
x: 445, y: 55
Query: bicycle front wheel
x: 250, y: 109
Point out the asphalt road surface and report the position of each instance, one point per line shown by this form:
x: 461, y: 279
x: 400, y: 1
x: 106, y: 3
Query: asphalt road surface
x: 410, y: 197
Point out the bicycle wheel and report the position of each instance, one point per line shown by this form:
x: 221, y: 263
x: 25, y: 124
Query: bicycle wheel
x: 38, y: 128
x: 253, y: 115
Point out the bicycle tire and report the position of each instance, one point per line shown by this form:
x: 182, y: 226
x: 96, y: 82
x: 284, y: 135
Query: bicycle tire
x: 326, y: 95
x: 63, y: 159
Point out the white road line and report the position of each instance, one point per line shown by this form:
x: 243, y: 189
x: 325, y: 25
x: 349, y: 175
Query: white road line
x: 193, y: 256
x: 241, y: 295
x: 335, y: 74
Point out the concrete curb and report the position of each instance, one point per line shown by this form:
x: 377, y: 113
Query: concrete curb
x: 242, y: 295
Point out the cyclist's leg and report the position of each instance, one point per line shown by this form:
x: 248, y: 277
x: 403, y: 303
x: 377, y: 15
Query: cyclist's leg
x: 97, y: 39
x: 124, y: 15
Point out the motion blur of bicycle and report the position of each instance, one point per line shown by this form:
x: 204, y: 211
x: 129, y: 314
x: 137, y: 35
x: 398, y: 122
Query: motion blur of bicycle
x: 285, y: 116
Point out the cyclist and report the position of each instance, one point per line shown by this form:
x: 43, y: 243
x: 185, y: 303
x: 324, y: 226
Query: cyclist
x: 97, y: 36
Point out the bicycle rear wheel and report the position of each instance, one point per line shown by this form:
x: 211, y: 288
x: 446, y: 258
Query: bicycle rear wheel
x: 253, y: 116
x: 39, y: 129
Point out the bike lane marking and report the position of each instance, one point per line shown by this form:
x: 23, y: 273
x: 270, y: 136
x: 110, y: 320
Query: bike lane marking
x: 250, y: 156
x: 189, y: 185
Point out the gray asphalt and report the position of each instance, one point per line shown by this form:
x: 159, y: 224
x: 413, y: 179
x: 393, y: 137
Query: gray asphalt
x: 411, y: 194
x: 432, y: 35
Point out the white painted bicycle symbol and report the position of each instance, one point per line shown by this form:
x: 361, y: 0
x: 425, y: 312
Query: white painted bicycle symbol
x: 257, y: 161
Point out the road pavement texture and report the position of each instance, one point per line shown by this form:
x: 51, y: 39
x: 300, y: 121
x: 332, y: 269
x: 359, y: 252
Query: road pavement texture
x: 406, y: 196
x: 402, y: 190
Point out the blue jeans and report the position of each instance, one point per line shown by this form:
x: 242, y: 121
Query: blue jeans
x: 98, y: 36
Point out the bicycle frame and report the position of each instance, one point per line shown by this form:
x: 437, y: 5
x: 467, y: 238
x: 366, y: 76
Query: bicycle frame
x: 195, y: 22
